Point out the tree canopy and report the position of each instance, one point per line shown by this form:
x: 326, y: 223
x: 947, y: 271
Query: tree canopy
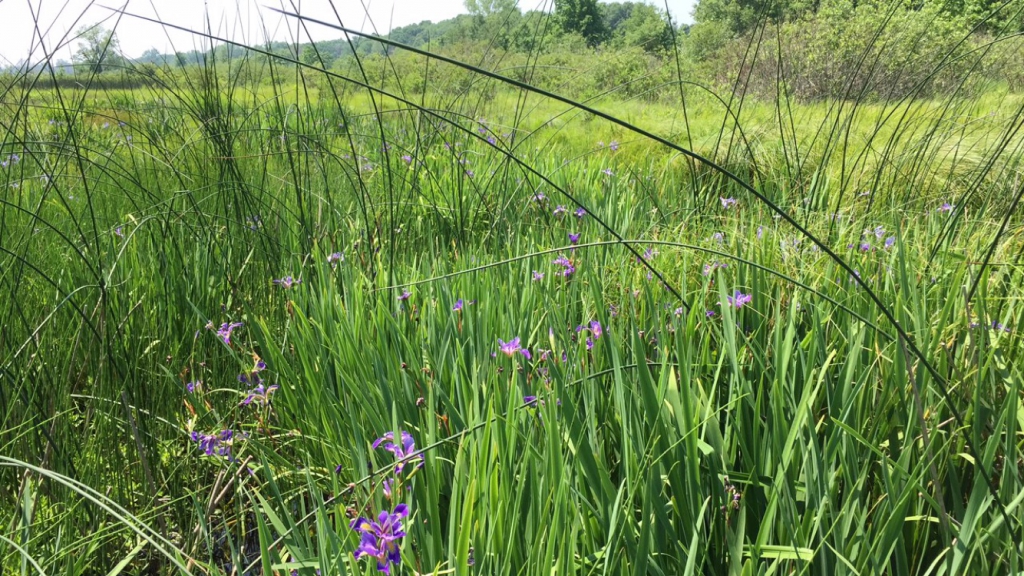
x: 582, y: 17
x: 98, y: 49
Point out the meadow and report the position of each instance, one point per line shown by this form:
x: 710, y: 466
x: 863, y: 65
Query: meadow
x: 316, y: 328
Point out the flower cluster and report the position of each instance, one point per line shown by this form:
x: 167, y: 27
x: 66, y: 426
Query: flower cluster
x: 260, y: 394
x: 217, y: 444
x: 512, y: 347
x: 12, y: 159
x: 403, y: 451
x: 379, y: 539
x: 995, y: 325
x: 568, y: 268
x: 595, y: 332
x: 738, y: 299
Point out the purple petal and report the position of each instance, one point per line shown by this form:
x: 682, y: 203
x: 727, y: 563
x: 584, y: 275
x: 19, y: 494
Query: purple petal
x: 401, y: 511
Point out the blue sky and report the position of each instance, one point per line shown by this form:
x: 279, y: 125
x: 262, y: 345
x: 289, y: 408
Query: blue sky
x: 243, y: 20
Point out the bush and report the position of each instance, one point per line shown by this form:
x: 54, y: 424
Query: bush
x: 844, y: 51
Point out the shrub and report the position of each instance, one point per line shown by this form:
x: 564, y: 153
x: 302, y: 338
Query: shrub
x: 844, y: 51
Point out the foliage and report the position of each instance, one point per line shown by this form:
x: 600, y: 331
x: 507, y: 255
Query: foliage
x: 643, y: 26
x: 259, y: 319
x: 581, y: 17
x: 846, y: 52
x: 98, y: 49
x: 485, y: 8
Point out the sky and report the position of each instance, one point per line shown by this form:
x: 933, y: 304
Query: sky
x: 241, y: 20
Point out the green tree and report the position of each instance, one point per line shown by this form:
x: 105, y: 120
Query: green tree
x: 487, y: 8
x: 309, y: 54
x: 645, y: 27
x: 98, y: 49
x: 739, y: 16
x: 494, y: 21
x: 582, y: 17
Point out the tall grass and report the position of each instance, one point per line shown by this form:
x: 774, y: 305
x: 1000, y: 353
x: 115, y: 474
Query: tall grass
x: 860, y: 415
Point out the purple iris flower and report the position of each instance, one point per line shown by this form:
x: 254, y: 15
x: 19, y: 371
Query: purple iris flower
x: 405, y: 295
x: 718, y: 237
x: 865, y: 247
x: 727, y: 202
x: 608, y: 172
x: 946, y: 207
x: 574, y: 238
x: 407, y: 159
x: 538, y: 276
x: 580, y: 212
x: 710, y: 314
x: 335, y: 257
x: 539, y: 197
x: 595, y: 329
x: 287, y: 282
x: 559, y: 210
x: 406, y: 450
x: 567, y: 266
x: 218, y: 444
x: 678, y: 311
x: 614, y: 145
x: 458, y: 305
x: 191, y: 386
x: 225, y: 330
x: 889, y: 242
x: 260, y: 394
x: 511, y: 347
x: 379, y: 539
x: 738, y: 299
x: 760, y: 232
x: 528, y: 400
x: 119, y: 231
